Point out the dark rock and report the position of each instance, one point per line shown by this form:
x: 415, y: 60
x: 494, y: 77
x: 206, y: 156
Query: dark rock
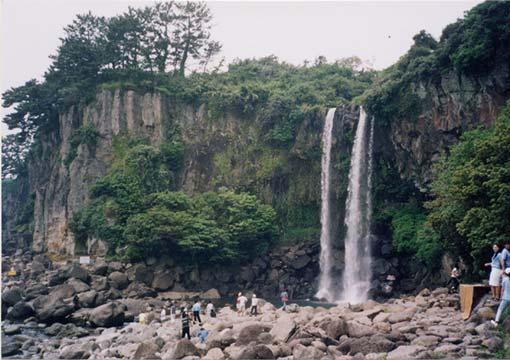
x: 43, y: 259
x: 12, y: 329
x: 20, y: 311
x: 61, y: 292
x: 99, y: 283
x: 300, y: 262
x: 336, y: 328
x: 139, y: 290
x: 10, y: 349
x: 12, y: 296
x: 108, y: 315
x: 78, y: 272
x: 115, y: 266
x: 78, y: 285
x: 250, y: 333
x: 57, y: 279
x: 118, y: 280
x: 141, y: 273
x: 185, y: 348
x: 74, y: 351
x: 33, y: 291
x: 257, y: 352
x: 163, y: 281
x: 61, y: 331
x: 49, y: 309
x: 37, y: 269
x: 87, y: 299
x: 100, y: 267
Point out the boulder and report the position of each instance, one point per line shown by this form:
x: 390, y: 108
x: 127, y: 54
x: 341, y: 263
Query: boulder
x: 74, y: 351
x: 256, y: 352
x: 58, y: 278
x: 485, y: 313
x: 405, y: 352
x: 211, y: 294
x: 141, y: 273
x: 283, y: 328
x: 11, y: 348
x: 185, y: 348
x: 49, y: 309
x: 146, y: 350
x: 118, y: 280
x: 62, y: 292
x: 139, y: 290
x: 357, y: 330
x: 78, y: 272
x: 87, y: 299
x: 33, y: 291
x: 20, y: 311
x: 221, y: 340
x: 426, y: 340
x: 306, y: 352
x: 214, y: 354
x: 100, y: 283
x: 78, y: 285
x: 366, y: 345
x: 300, y: 262
x: 100, y: 267
x: 163, y: 281
x: 115, y: 266
x: 107, y: 315
x: 12, y: 329
x: 12, y: 296
x: 61, y: 331
x: 250, y: 333
x: 336, y: 328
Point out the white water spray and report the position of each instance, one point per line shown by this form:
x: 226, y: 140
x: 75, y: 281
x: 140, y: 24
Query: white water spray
x: 325, y: 281
x: 357, y: 272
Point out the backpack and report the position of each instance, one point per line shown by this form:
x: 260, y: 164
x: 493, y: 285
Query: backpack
x: 213, y: 313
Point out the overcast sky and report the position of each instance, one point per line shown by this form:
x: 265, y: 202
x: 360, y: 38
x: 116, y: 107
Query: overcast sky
x: 378, y: 32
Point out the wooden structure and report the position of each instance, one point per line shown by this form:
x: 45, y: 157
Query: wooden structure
x: 470, y: 294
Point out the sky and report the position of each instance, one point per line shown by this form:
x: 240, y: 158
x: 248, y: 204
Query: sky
x: 378, y: 32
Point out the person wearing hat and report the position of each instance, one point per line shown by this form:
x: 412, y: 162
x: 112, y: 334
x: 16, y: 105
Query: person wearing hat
x: 254, y: 303
x: 505, y: 296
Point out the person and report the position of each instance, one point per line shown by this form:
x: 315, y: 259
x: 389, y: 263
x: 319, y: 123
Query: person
x: 163, y: 315
x: 254, y: 302
x: 453, y: 283
x: 173, y: 311
x: 196, y: 311
x: 209, y: 308
x: 496, y: 271
x: 241, y: 303
x: 202, y: 335
x: 284, y: 296
x: 142, y: 318
x: 504, y: 260
x: 185, y: 326
x: 505, y: 296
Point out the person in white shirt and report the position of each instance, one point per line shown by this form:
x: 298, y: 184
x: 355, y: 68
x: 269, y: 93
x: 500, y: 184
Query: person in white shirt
x: 254, y: 303
x: 209, y: 308
x: 241, y: 303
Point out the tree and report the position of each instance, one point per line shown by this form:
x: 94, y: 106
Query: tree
x: 14, y: 151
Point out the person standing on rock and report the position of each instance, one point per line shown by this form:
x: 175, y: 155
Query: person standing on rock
x: 254, y: 303
x: 196, y: 312
x: 209, y: 309
x: 241, y: 303
x: 496, y: 271
x: 173, y: 311
x: 185, y: 326
x: 505, y: 296
x: 505, y: 256
x: 284, y: 296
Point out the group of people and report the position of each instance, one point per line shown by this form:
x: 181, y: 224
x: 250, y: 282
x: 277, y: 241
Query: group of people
x: 242, y: 300
x: 499, y: 279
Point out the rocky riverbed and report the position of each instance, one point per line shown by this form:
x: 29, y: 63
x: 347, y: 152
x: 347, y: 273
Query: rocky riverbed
x: 68, y: 311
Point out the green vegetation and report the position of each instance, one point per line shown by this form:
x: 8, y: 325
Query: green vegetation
x: 472, y: 45
x: 86, y: 135
x: 135, y: 212
x: 471, y: 208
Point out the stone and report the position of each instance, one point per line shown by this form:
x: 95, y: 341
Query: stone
x: 146, y: 350
x: 292, y: 308
x: 185, y: 348
x: 12, y: 296
x: 33, y: 291
x: 74, y: 351
x: 61, y: 331
x: 214, y: 354
x: 405, y: 352
x: 300, y: 262
x: 400, y: 317
x: 494, y: 343
x: 283, y: 328
x: 78, y: 272
x: 485, y: 313
x: 355, y: 329
x: 12, y: 329
x: 141, y: 273
x: 107, y: 315
x: 20, y: 311
x: 10, y: 349
x: 49, y: 309
x: 221, y: 340
x: 211, y: 294
x: 78, y: 285
x: 336, y: 328
x: 306, y: 352
x: 100, y: 283
x: 256, y: 352
x: 87, y: 299
x: 163, y: 281
x: 250, y: 333
x: 100, y: 267
x: 62, y: 292
x: 446, y: 348
x: 57, y: 278
x: 426, y: 340
x: 118, y: 280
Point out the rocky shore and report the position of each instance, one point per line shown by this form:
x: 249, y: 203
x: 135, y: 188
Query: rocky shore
x: 54, y: 310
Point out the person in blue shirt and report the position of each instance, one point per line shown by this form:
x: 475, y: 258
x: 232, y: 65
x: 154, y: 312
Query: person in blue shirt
x: 202, y: 335
x: 496, y: 271
x: 505, y: 296
x: 505, y: 256
x: 196, y: 312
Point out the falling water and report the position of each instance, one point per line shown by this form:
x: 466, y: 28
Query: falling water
x: 325, y: 282
x: 357, y: 271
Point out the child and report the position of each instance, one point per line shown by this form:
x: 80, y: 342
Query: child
x: 202, y: 335
x: 505, y: 296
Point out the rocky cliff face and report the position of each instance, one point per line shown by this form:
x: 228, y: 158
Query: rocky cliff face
x: 221, y: 151
x: 448, y: 106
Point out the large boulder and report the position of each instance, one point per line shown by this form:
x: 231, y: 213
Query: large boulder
x: 357, y: 330
x: 78, y: 285
x: 211, y: 294
x: 307, y: 352
x: 250, y: 333
x: 185, y: 348
x: 33, y: 291
x: 61, y: 292
x: 300, y: 262
x: 336, y: 328
x: 107, y: 315
x: 11, y: 348
x: 223, y: 339
x: 214, y: 354
x: 283, y: 328
x: 100, y: 283
x: 100, y: 267
x: 50, y: 308
x: 366, y: 345
x: 12, y: 296
x: 256, y: 352
x: 146, y: 350
x: 20, y: 311
x: 61, y: 331
x: 139, y: 290
x: 118, y: 280
x: 87, y: 299
x: 75, y: 351
x: 78, y: 272
x: 163, y: 281
x: 405, y: 352
x: 141, y: 273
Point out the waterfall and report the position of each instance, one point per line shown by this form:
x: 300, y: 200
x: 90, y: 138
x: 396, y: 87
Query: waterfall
x: 357, y: 272
x: 325, y: 281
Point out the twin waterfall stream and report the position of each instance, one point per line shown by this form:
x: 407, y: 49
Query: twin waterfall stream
x: 355, y: 282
